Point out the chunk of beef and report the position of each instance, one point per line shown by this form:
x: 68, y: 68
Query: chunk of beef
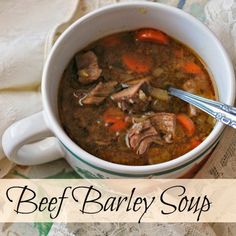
x: 200, y: 86
x: 127, y: 93
x: 191, y: 87
x: 141, y: 135
x: 98, y: 94
x: 92, y: 100
x: 159, y: 128
x: 132, y: 99
x: 192, y: 110
x: 145, y: 144
x: 165, y: 123
x: 88, y: 69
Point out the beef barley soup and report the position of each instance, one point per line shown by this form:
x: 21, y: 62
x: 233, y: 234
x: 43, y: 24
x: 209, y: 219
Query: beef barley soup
x: 113, y: 101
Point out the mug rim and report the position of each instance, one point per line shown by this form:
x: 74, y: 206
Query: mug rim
x: 96, y: 162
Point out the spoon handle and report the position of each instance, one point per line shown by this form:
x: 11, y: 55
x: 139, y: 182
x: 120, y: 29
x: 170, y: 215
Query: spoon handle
x: 220, y: 111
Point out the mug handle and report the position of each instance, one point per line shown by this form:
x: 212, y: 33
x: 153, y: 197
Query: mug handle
x: 28, y: 142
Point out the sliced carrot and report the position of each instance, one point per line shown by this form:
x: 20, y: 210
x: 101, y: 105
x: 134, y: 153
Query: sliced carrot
x: 192, y: 68
x: 194, y: 143
x: 111, y: 41
x: 187, y: 124
x: 112, y: 114
x: 137, y: 63
x: 152, y: 35
x: 118, y: 126
x: 112, y: 119
x: 116, y: 119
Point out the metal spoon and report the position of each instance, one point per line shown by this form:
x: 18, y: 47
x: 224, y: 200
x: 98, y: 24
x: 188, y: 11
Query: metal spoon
x: 220, y: 111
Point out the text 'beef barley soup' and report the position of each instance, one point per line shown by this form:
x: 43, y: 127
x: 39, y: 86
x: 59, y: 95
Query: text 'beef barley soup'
x: 113, y: 101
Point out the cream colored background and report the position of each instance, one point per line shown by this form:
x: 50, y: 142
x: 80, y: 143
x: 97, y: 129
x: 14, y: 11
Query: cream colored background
x: 218, y: 192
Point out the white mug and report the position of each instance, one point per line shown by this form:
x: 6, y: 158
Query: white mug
x: 21, y: 141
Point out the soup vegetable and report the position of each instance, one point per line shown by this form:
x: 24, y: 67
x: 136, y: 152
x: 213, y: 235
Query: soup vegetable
x: 113, y: 101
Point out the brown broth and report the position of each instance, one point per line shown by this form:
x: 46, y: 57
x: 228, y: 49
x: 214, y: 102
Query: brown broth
x: 85, y: 124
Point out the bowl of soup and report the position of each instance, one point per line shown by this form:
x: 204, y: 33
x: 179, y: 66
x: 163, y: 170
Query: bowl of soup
x: 105, y: 91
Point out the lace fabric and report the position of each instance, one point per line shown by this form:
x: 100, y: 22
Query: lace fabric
x: 221, y: 19
x: 121, y: 229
